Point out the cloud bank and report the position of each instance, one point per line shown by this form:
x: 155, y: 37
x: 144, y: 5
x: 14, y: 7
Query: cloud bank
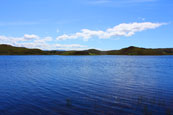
x: 34, y: 41
x: 124, y: 29
x: 48, y: 43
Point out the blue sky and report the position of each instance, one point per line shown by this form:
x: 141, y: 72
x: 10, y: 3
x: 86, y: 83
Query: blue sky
x: 84, y: 24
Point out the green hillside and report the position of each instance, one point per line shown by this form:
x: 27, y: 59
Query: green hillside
x: 11, y: 50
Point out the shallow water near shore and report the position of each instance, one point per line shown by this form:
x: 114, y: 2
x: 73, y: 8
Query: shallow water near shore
x: 86, y: 85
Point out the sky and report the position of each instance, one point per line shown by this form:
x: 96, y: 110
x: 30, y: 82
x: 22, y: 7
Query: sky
x: 86, y: 24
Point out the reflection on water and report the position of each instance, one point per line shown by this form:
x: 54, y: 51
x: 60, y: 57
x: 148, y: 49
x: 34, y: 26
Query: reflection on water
x: 86, y: 85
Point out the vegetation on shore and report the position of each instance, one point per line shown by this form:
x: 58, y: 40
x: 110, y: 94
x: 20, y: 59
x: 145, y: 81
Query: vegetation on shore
x: 11, y: 50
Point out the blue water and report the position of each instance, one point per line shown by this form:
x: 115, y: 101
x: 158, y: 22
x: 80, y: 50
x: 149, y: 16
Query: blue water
x: 68, y: 85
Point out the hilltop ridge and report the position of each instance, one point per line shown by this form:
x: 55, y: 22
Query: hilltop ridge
x: 131, y: 50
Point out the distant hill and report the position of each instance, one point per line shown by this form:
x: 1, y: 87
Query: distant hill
x: 142, y: 51
x: 11, y: 50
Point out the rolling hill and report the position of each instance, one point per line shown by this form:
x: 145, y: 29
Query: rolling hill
x: 12, y: 50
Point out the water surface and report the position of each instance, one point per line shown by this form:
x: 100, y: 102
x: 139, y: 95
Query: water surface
x: 86, y: 85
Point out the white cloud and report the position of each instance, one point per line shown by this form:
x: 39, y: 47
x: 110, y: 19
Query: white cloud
x: 34, y: 41
x: 48, y: 43
x: 124, y: 29
x: 43, y: 40
x: 48, y: 46
x: 5, y: 39
x: 26, y: 37
x: 70, y: 47
x: 31, y: 36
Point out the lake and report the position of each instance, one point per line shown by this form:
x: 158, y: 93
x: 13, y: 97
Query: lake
x: 103, y: 85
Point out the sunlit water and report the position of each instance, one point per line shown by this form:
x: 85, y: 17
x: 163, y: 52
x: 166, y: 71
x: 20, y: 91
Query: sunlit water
x: 86, y: 85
